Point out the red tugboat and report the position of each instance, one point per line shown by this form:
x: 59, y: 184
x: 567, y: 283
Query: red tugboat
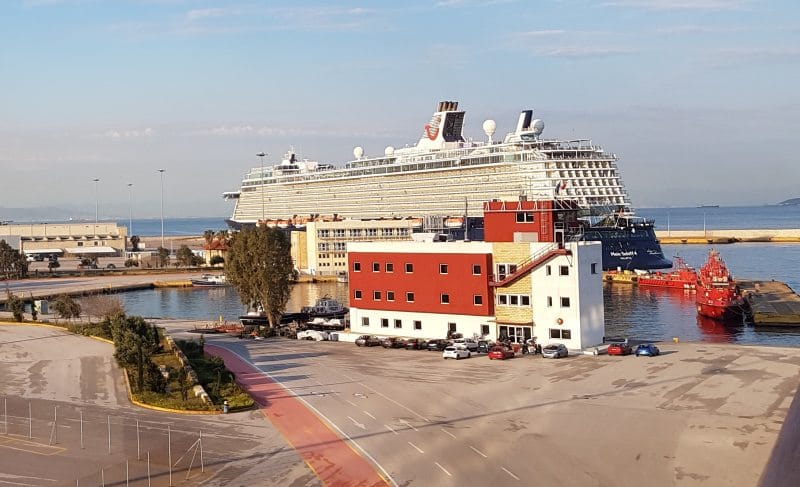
x: 718, y: 296
x: 682, y: 277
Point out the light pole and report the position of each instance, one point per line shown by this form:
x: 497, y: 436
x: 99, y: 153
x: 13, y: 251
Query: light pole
x: 162, y: 206
x: 261, y: 155
x: 96, y: 204
x: 130, y: 210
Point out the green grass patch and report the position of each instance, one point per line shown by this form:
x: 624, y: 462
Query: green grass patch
x: 218, y: 381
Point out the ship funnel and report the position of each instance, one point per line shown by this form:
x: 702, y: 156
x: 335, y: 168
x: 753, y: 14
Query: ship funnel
x: 447, y: 106
x: 524, y: 122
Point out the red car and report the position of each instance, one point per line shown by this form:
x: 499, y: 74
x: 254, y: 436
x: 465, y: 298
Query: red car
x: 619, y: 349
x: 500, y: 353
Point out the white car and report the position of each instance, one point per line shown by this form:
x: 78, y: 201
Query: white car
x: 456, y: 353
x: 312, y: 335
x: 466, y: 344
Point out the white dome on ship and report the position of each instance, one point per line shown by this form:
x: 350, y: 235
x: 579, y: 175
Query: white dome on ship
x: 537, y: 126
x: 389, y: 151
x: 489, y: 127
x: 358, y: 152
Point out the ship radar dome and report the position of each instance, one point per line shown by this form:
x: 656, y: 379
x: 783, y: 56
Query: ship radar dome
x: 358, y: 152
x: 389, y: 151
x: 489, y: 128
x: 537, y: 126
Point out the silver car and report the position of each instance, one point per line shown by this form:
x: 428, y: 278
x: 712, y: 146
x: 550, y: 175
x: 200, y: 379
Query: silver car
x: 556, y: 350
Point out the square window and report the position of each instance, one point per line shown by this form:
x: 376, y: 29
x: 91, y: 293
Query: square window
x: 563, y: 270
x: 451, y: 327
x: 485, y: 330
x: 502, y: 299
x: 566, y: 334
x: 445, y: 299
x: 384, y: 322
x: 442, y: 268
x: 409, y: 268
x: 376, y: 295
x: 389, y: 267
x: 410, y: 297
x: 376, y: 267
x: 525, y: 300
x: 365, y: 321
x: 555, y: 333
x: 398, y: 323
x: 565, y: 302
x: 389, y: 295
x: 356, y: 266
x: 477, y: 300
x: 513, y: 300
x: 357, y: 294
x: 547, y: 270
x: 524, y: 217
x: 476, y: 270
x: 417, y: 325
x: 594, y: 267
x: 549, y: 301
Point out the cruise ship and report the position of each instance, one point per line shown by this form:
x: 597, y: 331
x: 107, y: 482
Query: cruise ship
x: 446, y: 175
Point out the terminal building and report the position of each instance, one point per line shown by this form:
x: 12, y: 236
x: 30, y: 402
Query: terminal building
x: 80, y: 239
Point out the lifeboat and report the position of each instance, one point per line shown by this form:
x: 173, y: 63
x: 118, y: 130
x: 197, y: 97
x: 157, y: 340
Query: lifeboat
x: 682, y: 276
x: 718, y: 296
x: 454, y: 222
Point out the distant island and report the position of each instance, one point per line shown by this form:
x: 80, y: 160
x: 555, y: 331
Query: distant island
x: 790, y: 202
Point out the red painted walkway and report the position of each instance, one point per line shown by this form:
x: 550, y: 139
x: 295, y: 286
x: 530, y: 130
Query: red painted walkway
x: 326, y: 453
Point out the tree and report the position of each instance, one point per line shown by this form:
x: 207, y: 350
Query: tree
x: 135, y: 243
x: 16, y: 305
x: 135, y: 342
x: 13, y: 263
x: 216, y: 260
x: 102, y: 306
x: 66, y: 307
x: 163, y: 257
x: 131, y: 263
x: 183, y: 383
x: 185, y: 256
x: 53, y: 265
x: 260, y: 267
x: 208, y: 236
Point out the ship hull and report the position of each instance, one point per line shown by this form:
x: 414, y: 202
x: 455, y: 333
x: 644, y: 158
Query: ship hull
x: 731, y: 313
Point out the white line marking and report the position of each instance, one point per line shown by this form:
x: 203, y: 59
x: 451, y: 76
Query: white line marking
x: 351, y: 403
x: 506, y: 471
x: 416, y: 447
x: 392, y: 400
x: 319, y: 413
x: 449, y: 433
x: 360, y: 425
x: 408, y: 424
x: 478, y: 452
x: 391, y: 429
x: 367, y: 413
x: 443, y: 469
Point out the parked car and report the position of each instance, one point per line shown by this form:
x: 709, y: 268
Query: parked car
x: 555, y: 350
x: 466, y: 343
x: 620, y: 348
x: 368, y: 341
x: 484, y: 346
x: 647, y: 349
x: 393, y: 342
x: 456, y: 353
x: 437, y: 345
x: 415, y: 344
x: 312, y: 335
x: 500, y: 353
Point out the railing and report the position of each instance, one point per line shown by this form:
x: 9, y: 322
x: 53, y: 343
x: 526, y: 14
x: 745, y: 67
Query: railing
x: 526, y: 265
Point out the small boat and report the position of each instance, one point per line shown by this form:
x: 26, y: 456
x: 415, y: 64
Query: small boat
x: 341, y: 276
x: 210, y: 280
x: 325, y: 308
x: 718, y: 296
x: 682, y: 276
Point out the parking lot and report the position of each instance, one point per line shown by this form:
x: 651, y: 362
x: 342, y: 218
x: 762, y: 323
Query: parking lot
x: 699, y: 414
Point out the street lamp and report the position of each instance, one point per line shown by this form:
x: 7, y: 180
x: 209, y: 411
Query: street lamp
x: 96, y: 204
x: 162, y: 206
x: 130, y: 210
x: 261, y: 155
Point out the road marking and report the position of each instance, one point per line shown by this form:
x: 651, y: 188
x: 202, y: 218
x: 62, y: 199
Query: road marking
x: 408, y: 424
x: 506, y: 471
x: 360, y: 425
x: 416, y: 447
x: 449, y: 433
x: 392, y: 400
x: 478, y: 451
x: 367, y: 413
x: 391, y: 429
x: 443, y: 469
x: 351, y: 403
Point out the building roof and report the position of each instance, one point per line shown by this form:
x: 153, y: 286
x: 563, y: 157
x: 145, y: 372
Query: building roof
x: 92, y: 250
x: 44, y: 251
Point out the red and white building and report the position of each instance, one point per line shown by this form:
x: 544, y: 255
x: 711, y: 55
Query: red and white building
x: 526, y: 283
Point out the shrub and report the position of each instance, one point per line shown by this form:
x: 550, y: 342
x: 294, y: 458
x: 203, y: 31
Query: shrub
x: 16, y: 306
x: 216, y: 260
x: 131, y: 263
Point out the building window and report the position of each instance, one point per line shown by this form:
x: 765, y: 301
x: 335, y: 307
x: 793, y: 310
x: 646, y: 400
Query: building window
x: 513, y: 300
x: 565, y: 302
x: 451, y: 328
x: 372, y: 232
x: 594, y: 267
x: 355, y: 233
x: 389, y: 295
x: 365, y: 321
x: 560, y: 334
x: 442, y: 268
x: 376, y: 295
x: 563, y: 270
x: 505, y: 269
x: 476, y: 269
x: 376, y: 267
x: 484, y: 330
x: 398, y: 323
x: 409, y: 268
x: 547, y: 270
x: 410, y: 297
x: 524, y: 217
x: 417, y: 325
x: 389, y: 267
x: 549, y: 301
x: 339, y: 232
x: 445, y: 299
x: 356, y: 266
x: 525, y: 300
x: 502, y: 299
x: 357, y: 294
x: 80, y: 244
x: 477, y: 300
x: 384, y: 322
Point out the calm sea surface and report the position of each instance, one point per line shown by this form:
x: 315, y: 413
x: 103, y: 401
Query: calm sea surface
x: 652, y: 314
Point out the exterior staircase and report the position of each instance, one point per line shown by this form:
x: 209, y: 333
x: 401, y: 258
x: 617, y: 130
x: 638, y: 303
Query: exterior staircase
x: 528, y: 264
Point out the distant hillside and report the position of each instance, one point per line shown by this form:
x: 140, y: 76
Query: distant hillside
x: 790, y: 202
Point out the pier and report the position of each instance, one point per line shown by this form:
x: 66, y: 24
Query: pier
x: 773, y: 303
x: 774, y: 235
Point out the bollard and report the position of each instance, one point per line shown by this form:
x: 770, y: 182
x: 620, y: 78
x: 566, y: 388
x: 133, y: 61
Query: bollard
x: 675, y: 339
x: 225, y: 407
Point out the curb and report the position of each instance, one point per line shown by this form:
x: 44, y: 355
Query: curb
x: 159, y: 408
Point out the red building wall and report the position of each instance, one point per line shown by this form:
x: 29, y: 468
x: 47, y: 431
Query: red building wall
x: 500, y: 220
x: 426, y: 282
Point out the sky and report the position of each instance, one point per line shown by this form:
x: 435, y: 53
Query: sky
x: 698, y: 98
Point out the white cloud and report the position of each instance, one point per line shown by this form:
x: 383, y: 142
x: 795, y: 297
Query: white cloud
x: 754, y: 55
x: 124, y: 134
x: 701, y: 29
x: 207, y: 13
x: 540, y: 33
x: 678, y: 4
x: 576, y: 52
